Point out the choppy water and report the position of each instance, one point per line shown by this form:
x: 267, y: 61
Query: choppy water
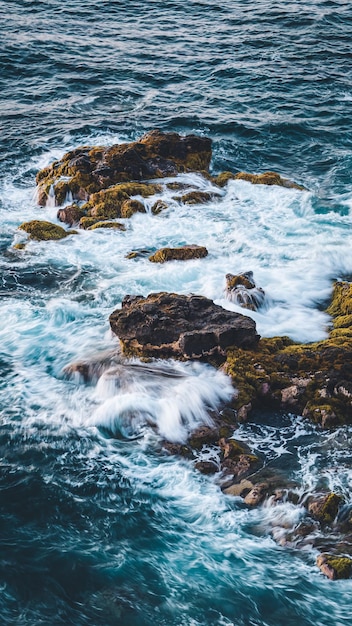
x: 98, y: 525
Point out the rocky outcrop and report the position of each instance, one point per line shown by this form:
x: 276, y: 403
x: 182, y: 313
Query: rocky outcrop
x: 40, y: 230
x: 183, y: 253
x: 311, y: 379
x: 168, y: 325
x: 87, y: 170
x: 335, y: 567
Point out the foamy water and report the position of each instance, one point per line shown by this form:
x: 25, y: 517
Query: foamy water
x: 58, y: 299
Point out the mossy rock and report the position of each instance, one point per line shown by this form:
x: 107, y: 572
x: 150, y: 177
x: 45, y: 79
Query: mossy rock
x: 137, y: 254
x: 325, y: 508
x: 206, y: 467
x: 245, y: 279
x: 335, y: 567
x: 198, y: 197
x: 111, y: 225
x: 45, y: 231
x: 222, y: 179
x: 71, y: 214
x: 158, y: 207
x: 204, y: 436
x: 177, y: 186
x: 184, y: 253
x: 231, y: 448
x: 130, y: 207
x: 274, y: 370
x: 341, y: 304
x: 108, y: 202
x: 87, y: 222
x: 268, y: 178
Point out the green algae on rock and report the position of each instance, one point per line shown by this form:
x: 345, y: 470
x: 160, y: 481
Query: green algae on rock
x: 335, y: 567
x: 110, y: 203
x: 87, y: 170
x: 70, y: 214
x: 183, y: 253
x: 268, y: 178
x: 130, y: 207
x: 312, y: 379
x: 106, y: 224
x: 40, y: 230
x: 325, y: 508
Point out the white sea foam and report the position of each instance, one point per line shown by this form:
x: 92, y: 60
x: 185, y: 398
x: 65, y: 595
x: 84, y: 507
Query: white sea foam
x: 173, y: 399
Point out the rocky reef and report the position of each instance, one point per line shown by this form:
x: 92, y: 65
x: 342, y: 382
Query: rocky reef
x: 100, y: 185
x: 88, y: 170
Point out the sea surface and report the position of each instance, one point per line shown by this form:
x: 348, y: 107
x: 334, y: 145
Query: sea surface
x: 99, y: 526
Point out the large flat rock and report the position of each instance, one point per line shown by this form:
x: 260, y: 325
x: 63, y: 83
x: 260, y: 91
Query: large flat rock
x: 169, y: 325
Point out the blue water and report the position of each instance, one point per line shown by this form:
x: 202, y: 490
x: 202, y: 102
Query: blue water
x: 98, y: 525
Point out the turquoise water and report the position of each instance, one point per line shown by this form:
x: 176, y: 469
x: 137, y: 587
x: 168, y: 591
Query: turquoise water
x: 99, y: 526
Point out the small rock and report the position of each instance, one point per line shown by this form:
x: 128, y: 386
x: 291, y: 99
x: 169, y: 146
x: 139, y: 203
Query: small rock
x: 324, y: 508
x: 130, y: 207
x: 184, y: 253
x: 335, y: 567
x: 39, y: 230
x: 241, y: 289
x: 158, y: 207
x: 206, y: 467
x: 256, y: 495
x: 70, y: 214
x: 198, y: 197
x: 239, y: 489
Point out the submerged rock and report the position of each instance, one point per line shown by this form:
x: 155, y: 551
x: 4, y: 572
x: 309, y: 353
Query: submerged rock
x: 86, y: 170
x: 40, y: 230
x: 138, y: 254
x: 158, y: 207
x: 242, y: 290
x: 169, y: 325
x: 183, y: 253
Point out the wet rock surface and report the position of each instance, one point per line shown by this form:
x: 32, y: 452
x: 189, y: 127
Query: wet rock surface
x: 40, y: 230
x: 88, y: 170
x: 242, y: 290
x: 310, y: 379
x: 183, y: 253
x: 167, y: 325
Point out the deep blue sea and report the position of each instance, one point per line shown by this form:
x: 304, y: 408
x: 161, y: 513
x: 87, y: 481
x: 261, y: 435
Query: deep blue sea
x: 99, y: 526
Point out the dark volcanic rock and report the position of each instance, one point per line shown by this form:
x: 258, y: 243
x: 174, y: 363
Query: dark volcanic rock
x: 168, y: 325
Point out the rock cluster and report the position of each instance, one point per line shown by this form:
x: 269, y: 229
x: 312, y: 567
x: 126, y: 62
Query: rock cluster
x: 88, y: 170
x: 311, y: 379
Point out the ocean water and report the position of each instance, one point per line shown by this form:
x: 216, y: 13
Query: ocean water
x: 98, y: 525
